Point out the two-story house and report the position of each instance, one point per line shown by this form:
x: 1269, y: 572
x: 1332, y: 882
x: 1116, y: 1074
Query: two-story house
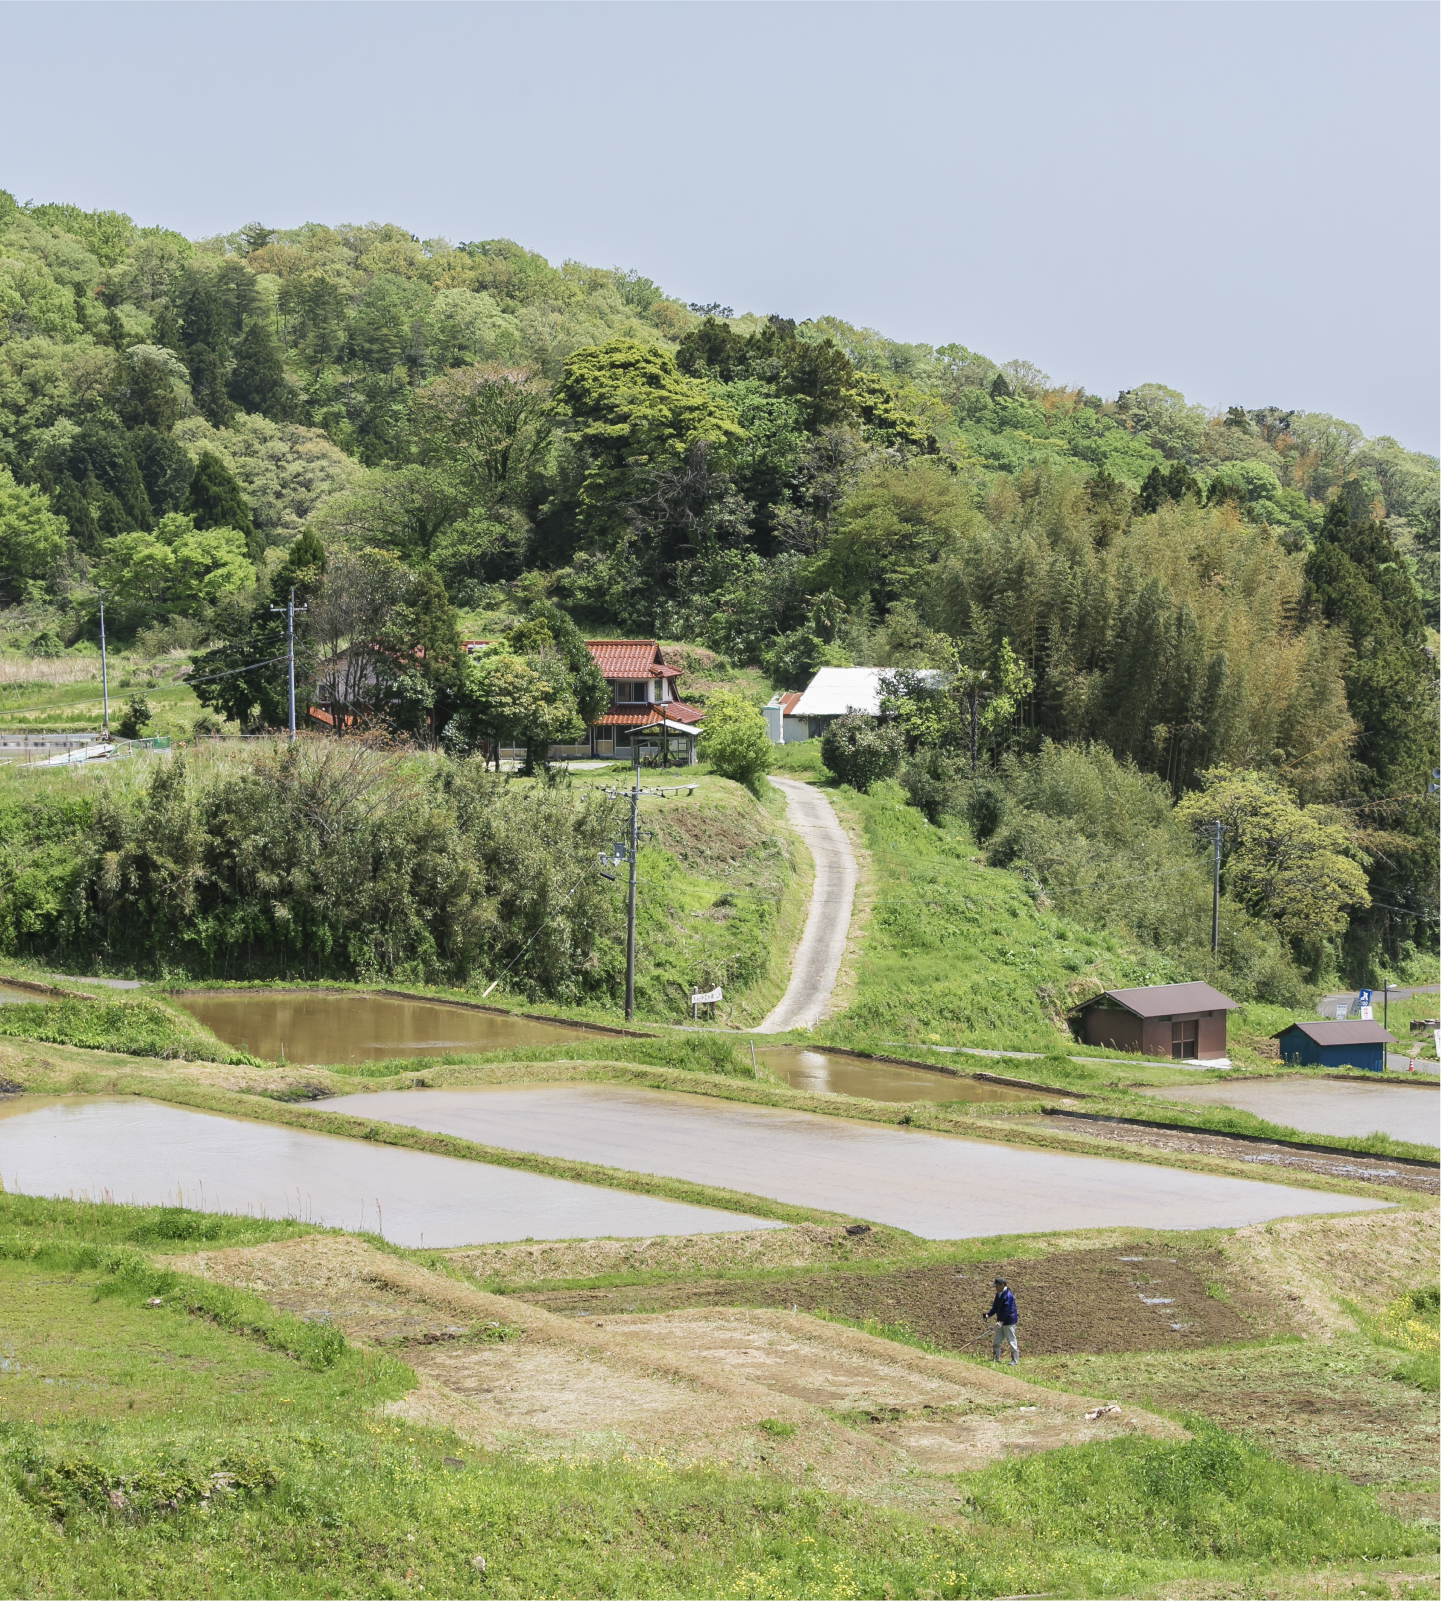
x: 641, y: 691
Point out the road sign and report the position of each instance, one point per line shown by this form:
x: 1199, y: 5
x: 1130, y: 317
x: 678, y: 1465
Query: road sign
x: 1363, y: 997
x: 708, y: 999
x: 1367, y: 1015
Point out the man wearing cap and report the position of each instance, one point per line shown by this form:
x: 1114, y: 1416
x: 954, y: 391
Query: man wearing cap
x: 1003, y: 1309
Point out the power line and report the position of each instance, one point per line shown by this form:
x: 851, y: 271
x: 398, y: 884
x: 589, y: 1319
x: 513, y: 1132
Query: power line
x: 231, y: 672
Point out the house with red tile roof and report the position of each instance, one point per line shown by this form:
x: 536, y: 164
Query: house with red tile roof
x: 642, y: 692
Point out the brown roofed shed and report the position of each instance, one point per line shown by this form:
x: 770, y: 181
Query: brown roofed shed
x: 1186, y: 1021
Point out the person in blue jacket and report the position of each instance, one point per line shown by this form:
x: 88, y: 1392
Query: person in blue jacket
x: 1003, y: 1309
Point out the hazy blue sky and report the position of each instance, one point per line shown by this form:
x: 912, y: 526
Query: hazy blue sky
x: 1239, y: 200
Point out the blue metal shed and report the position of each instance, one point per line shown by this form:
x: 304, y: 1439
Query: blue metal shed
x: 1338, y: 1044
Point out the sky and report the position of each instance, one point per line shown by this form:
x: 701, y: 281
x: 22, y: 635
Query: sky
x: 1238, y: 200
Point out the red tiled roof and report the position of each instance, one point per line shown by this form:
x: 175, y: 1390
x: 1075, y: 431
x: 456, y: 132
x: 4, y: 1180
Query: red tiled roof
x: 616, y: 658
x: 628, y: 658
x: 676, y: 710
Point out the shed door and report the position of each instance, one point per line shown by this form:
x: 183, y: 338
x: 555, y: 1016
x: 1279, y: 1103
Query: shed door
x: 1183, y: 1036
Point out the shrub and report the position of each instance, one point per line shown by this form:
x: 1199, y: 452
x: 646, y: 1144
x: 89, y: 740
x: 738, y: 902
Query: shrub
x: 934, y: 783
x: 859, y: 751
x: 734, y: 740
x: 134, y: 718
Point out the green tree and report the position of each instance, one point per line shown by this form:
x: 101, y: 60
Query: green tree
x: 860, y: 751
x: 257, y: 381
x: 242, y: 677
x: 633, y: 409
x: 144, y: 390
x: 893, y: 527
x: 207, y: 385
x: 426, y: 630
x: 32, y: 537
x: 178, y: 568
x: 510, y: 699
x: 1280, y: 860
x: 588, y: 687
x: 992, y: 698
x: 135, y: 718
x: 734, y: 741
x: 216, y: 500
x: 489, y: 424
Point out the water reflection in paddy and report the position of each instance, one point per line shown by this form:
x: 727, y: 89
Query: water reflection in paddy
x: 146, y: 1153
x: 827, y: 1073
x: 307, y: 1027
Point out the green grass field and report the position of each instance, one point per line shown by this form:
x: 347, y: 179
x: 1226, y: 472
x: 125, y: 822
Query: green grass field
x: 206, y: 1446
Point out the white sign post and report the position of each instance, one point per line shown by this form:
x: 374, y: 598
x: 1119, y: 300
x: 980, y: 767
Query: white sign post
x: 709, y: 998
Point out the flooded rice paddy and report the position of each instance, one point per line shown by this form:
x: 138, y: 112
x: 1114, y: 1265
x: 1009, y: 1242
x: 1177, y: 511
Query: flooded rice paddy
x: 936, y: 1185
x: 301, y: 1026
x: 147, y: 1153
x: 1404, y: 1111
x: 317, y: 1028
x: 828, y: 1073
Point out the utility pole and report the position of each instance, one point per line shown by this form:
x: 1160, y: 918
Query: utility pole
x: 289, y: 611
x: 630, y: 890
x: 1216, y: 887
x: 104, y: 672
x: 628, y: 850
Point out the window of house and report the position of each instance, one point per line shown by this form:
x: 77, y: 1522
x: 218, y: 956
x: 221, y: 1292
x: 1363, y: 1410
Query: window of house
x: 628, y: 690
x: 1183, y: 1037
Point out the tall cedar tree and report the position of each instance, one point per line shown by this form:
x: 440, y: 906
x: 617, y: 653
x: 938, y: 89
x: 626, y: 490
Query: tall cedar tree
x: 430, y: 624
x: 216, y: 500
x: 1357, y: 579
x: 257, y: 381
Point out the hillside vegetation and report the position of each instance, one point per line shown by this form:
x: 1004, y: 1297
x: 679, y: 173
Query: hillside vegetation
x: 426, y: 441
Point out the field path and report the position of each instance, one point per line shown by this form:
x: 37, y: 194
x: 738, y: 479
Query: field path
x: 828, y: 919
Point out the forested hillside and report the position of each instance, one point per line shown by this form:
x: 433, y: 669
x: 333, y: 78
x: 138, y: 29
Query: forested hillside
x: 425, y: 438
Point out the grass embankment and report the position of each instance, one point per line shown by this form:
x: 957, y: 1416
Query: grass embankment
x: 133, y: 1026
x: 61, y: 703
x: 178, y: 1450
x: 722, y: 890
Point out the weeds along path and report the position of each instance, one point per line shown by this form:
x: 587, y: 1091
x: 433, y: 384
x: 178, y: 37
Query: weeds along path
x: 828, y: 920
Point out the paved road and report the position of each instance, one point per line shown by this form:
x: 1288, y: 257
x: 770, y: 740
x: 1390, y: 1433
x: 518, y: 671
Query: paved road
x: 1404, y: 1111
x: 936, y: 1185
x: 151, y: 1154
x: 828, y: 921
x: 1326, y: 1006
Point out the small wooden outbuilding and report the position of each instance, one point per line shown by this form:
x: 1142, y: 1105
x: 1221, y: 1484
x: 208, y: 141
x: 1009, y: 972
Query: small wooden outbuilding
x: 1339, y: 1044
x: 1186, y: 1021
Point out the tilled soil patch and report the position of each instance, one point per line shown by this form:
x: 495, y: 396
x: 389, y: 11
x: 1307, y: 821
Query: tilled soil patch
x: 1075, y: 1301
x: 1340, y: 1164
x: 831, y: 1407
x: 1328, y: 1406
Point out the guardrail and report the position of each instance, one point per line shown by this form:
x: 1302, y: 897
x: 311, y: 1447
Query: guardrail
x: 97, y: 748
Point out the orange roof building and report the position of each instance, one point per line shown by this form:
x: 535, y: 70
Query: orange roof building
x: 641, y: 684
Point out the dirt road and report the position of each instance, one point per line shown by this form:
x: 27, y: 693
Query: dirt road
x: 828, y: 921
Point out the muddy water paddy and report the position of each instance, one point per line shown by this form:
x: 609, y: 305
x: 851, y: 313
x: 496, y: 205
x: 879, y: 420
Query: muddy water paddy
x: 833, y: 1073
x: 317, y: 1028
x: 147, y: 1153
